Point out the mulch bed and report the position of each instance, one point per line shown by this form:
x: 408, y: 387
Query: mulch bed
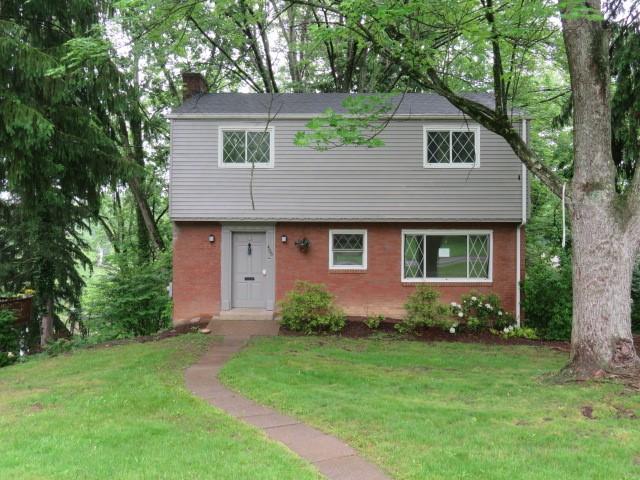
x: 355, y: 328
x: 174, y: 332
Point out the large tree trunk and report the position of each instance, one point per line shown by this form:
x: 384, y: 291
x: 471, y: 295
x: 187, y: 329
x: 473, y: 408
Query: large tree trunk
x: 604, y: 252
x: 47, y: 323
x: 603, y: 260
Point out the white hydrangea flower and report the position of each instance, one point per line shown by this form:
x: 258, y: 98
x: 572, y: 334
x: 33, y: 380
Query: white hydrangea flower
x: 452, y: 330
x: 460, y: 314
x: 500, y: 313
x: 473, y: 298
x: 555, y: 261
x: 505, y: 329
x: 10, y: 354
x: 488, y: 306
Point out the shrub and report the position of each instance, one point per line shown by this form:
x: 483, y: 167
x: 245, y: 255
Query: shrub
x: 9, y: 338
x: 59, y: 346
x: 547, y: 296
x: 424, y: 310
x: 130, y: 300
x: 374, y: 321
x: 310, y: 308
x: 478, y: 311
x: 515, y: 332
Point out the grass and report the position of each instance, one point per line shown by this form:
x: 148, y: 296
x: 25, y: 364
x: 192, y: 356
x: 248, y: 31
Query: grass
x: 123, y: 412
x: 447, y: 410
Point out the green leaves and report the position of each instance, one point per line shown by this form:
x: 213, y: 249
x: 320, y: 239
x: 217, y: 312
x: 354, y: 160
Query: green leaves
x: 365, y: 119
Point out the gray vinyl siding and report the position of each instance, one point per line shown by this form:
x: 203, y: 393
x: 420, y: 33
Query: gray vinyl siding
x: 343, y: 184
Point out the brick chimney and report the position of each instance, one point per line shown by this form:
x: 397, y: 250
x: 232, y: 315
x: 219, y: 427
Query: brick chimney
x: 193, y: 84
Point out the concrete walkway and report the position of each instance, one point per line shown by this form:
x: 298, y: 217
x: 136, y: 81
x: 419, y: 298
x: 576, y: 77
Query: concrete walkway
x: 332, y: 457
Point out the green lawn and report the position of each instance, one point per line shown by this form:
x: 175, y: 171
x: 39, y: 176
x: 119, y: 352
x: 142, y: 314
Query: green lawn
x: 122, y: 413
x: 447, y: 411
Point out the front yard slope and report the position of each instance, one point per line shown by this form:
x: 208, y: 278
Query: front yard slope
x: 123, y: 412
x: 447, y: 410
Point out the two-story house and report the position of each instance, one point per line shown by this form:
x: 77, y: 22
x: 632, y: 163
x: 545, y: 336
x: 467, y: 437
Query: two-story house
x: 442, y: 202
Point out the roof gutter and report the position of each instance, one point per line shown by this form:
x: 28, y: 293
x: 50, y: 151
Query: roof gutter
x: 309, y: 116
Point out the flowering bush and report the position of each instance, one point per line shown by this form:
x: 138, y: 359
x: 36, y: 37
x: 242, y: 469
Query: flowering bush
x: 516, y: 332
x: 479, y: 311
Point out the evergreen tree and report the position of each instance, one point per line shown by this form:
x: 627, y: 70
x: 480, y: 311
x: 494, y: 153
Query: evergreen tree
x: 55, y: 154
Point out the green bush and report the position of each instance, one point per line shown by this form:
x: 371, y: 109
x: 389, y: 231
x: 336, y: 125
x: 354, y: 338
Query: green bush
x: 425, y: 310
x: 59, y: 346
x: 547, y: 296
x: 310, y: 308
x: 131, y: 299
x: 515, y: 332
x: 478, y: 311
x: 9, y: 338
x: 374, y: 321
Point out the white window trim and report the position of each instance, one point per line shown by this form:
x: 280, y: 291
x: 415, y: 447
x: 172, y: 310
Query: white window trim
x: 246, y: 128
x: 362, y: 232
x: 450, y: 128
x: 444, y: 279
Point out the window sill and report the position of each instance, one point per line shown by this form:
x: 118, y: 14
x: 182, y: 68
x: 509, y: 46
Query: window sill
x: 347, y: 270
x: 233, y: 166
x: 461, y: 283
x: 467, y: 166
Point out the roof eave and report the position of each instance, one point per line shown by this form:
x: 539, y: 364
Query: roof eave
x: 308, y: 116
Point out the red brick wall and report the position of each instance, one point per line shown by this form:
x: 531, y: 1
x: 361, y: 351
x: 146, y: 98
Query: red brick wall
x: 379, y: 289
x: 196, y: 270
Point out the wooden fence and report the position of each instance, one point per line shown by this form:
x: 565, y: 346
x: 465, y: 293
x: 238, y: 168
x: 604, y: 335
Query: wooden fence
x: 22, y: 306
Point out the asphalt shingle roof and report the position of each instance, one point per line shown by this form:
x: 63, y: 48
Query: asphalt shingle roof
x: 315, y: 103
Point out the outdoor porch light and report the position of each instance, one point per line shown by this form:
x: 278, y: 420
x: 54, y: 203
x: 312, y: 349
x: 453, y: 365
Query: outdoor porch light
x: 212, y: 238
x: 284, y: 239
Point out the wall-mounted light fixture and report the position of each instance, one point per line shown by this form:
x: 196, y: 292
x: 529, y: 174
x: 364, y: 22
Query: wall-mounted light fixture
x: 212, y: 238
x: 284, y: 239
x: 303, y: 244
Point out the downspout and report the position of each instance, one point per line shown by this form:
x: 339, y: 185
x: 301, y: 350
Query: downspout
x: 519, y: 227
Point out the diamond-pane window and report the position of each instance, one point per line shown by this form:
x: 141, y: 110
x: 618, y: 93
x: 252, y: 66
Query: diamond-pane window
x: 246, y: 147
x: 463, y: 148
x: 348, y: 249
x: 451, y: 147
x: 234, y: 146
x: 413, y: 256
x: 436, y: 255
x: 438, y: 147
x: 258, y: 147
x: 479, y: 256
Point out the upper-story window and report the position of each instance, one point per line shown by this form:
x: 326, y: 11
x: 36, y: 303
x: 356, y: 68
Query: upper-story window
x: 446, y: 147
x: 242, y: 147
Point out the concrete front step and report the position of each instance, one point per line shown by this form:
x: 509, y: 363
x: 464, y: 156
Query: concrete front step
x: 247, y: 328
x: 245, y: 314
